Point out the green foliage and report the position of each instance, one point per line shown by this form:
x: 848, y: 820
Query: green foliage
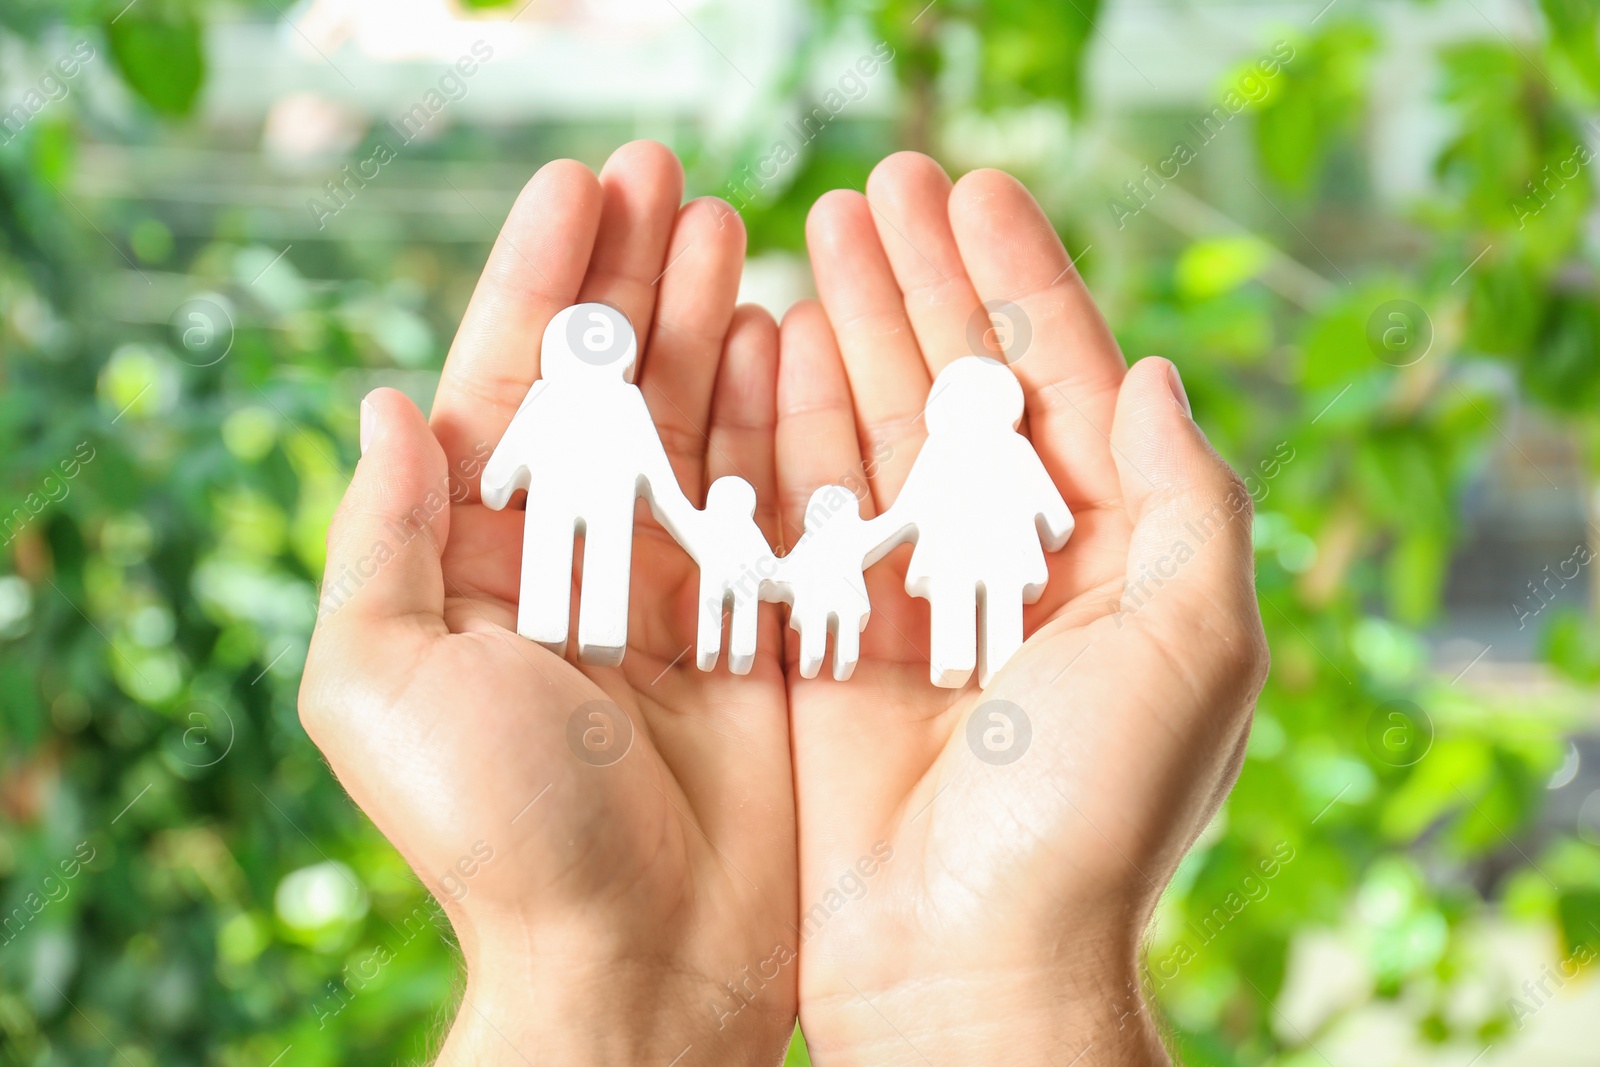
x: 1317, y: 106
x: 157, y: 47
x: 1024, y: 51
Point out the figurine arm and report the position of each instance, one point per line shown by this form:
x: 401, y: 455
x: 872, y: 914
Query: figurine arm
x: 507, y: 469
x: 660, y: 487
x: 882, y: 533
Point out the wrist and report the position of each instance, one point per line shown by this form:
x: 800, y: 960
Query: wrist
x: 554, y: 999
x: 1038, y: 1017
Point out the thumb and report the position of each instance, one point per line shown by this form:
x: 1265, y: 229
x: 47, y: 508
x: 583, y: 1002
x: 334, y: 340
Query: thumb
x: 1189, y: 557
x: 386, y: 538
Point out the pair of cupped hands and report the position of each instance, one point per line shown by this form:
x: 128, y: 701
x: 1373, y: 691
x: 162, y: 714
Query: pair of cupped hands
x: 858, y: 854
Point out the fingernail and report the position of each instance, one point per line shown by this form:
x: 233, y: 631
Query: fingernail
x: 1175, y: 383
x: 367, y: 418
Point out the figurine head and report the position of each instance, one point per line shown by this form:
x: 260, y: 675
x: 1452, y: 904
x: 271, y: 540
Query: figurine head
x: 731, y: 495
x: 588, y: 340
x: 976, y: 392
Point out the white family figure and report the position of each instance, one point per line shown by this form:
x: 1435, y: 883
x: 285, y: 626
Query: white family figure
x: 822, y: 578
x: 585, y: 448
x: 983, y: 509
x: 735, y: 564
x: 978, y: 504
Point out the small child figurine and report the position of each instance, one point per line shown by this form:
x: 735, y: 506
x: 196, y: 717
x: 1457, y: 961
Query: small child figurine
x: 823, y: 573
x: 735, y: 562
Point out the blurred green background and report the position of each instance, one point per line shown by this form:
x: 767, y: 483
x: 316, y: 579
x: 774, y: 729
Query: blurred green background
x: 1365, y: 231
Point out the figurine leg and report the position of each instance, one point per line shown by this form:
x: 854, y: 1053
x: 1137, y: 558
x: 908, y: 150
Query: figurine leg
x: 813, y: 641
x: 603, y: 603
x: 742, y: 635
x: 708, y: 636
x: 847, y: 645
x: 1002, y: 630
x: 953, y: 637
x: 545, y: 600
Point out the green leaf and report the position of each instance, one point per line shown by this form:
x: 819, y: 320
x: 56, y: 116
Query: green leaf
x: 1571, y: 645
x: 1575, y: 29
x: 1220, y: 265
x: 1580, y: 917
x: 1415, y: 575
x: 159, y: 53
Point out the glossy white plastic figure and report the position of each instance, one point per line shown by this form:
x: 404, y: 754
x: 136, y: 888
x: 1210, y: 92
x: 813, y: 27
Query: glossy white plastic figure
x: 978, y: 504
x: 736, y: 566
x: 821, y: 578
x: 983, y: 509
x: 585, y: 448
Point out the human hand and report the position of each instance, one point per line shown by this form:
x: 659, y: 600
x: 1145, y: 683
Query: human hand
x: 1009, y: 912
x: 604, y: 892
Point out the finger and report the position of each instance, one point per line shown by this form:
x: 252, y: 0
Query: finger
x: 533, y: 271
x: 910, y: 197
x: 386, y: 538
x: 699, y: 286
x: 744, y: 412
x: 887, y: 376
x: 1191, y: 570
x: 816, y: 438
x: 641, y: 187
x: 1058, y: 345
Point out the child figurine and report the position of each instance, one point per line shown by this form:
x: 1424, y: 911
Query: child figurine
x: 826, y: 589
x: 735, y: 564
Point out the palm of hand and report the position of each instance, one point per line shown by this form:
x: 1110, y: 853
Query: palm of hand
x: 627, y: 806
x: 1061, y: 797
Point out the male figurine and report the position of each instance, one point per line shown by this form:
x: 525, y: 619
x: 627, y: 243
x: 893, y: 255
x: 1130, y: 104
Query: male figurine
x: 585, y: 448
